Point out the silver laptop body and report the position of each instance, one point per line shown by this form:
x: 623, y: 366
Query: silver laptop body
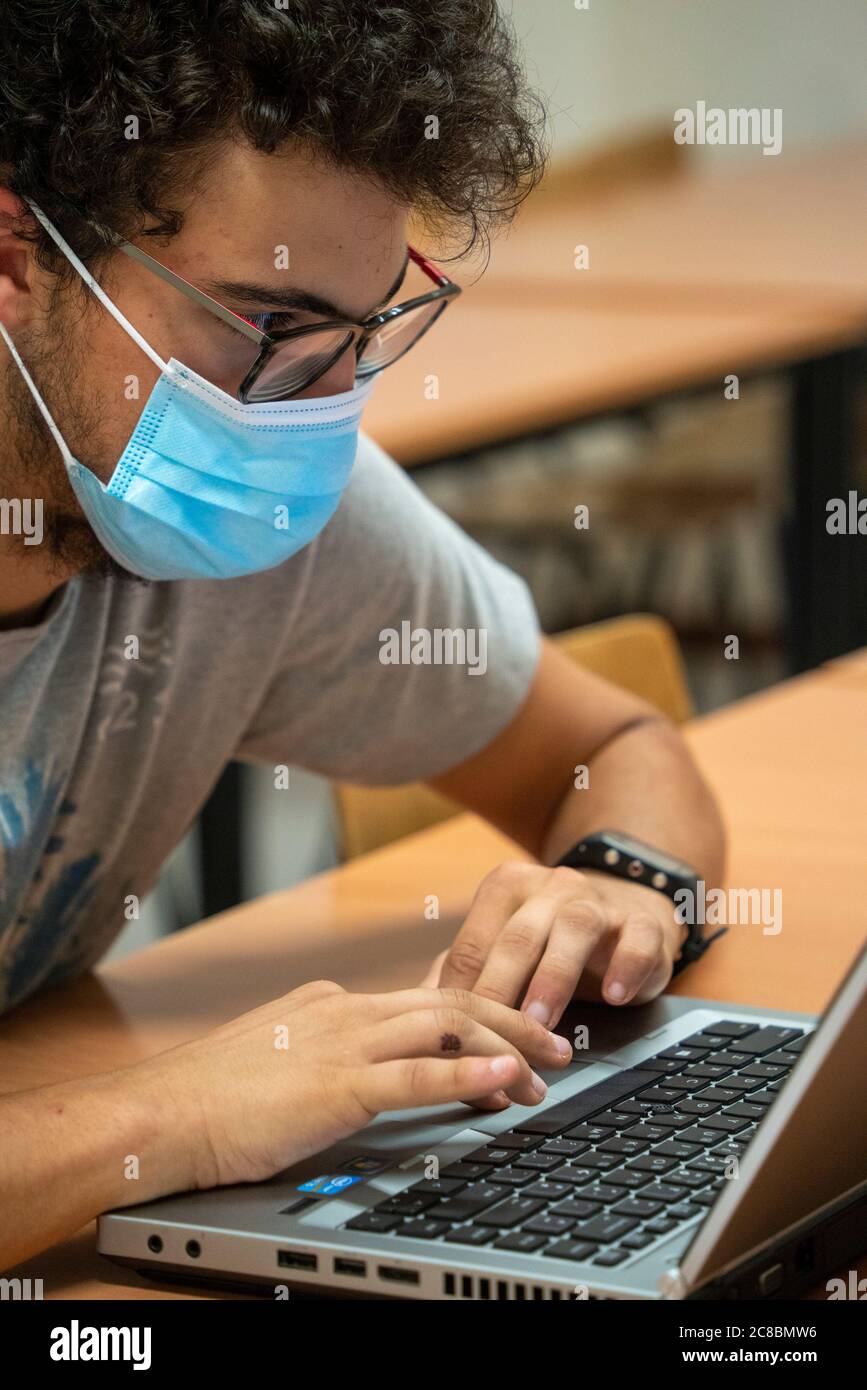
x: 790, y: 1208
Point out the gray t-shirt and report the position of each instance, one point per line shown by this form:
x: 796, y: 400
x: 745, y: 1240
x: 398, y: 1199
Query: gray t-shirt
x: 119, y: 710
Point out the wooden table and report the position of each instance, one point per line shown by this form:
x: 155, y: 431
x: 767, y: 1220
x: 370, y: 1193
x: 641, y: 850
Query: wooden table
x: 691, y: 279
x: 790, y: 767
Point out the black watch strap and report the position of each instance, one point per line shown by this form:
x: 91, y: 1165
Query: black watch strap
x: 622, y: 856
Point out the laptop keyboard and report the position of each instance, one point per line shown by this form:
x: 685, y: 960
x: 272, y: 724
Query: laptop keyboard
x: 612, y: 1170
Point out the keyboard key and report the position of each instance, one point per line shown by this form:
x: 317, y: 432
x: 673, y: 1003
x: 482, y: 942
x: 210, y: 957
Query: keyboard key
x: 576, y: 1209
x: 747, y: 1110
x: 727, y: 1028
x: 675, y: 1148
x: 514, y: 1176
x: 659, y: 1095
x: 684, y: 1054
x: 721, y: 1094
x: 571, y: 1250
x: 548, y: 1191
x: 567, y: 1148
x: 538, y: 1162
x: 614, y: 1119
x: 661, y: 1225
x: 512, y: 1139
x: 683, y: 1211
x: 694, y: 1106
x: 645, y: 1129
x: 373, y: 1221
x: 406, y: 1205
x: 652, y: 1163
x: 707, y: 1071
x: 603, y: 1192
x: 762, y: 1071
x: 782, y: 1058
x: 769, y: 1039
x: 549, y: 1224
x: 638, y: 1207
x: 685, y: 1177
x: 799, y: 1044
x: 683, y: 1085
x: 470, y: 1235
x: 611, y: 1257
x: 729, y: 1124
x: 664, y: 1192
x: 710, y: 1163
x: 575, y: 1175
x: 463, y: 1169
x: 660, y: 1064
x: 596, y: 1159
x: 470, y: 1202
x: 607, y: 1227
x: 639, y: 1239
x: 621, y: 1145
x: 423, y: 1229
x: 520, y: 1240
x: 764, y: 1097
x: 594, y: 1132
x: 437, y: 1187
x: 510, y: 1213
x: 493, y: 1155
x: 706, y: 1199
x: 730, y: 1058
x: 624, y: 1177
x: 699, y: 1134
x: 743, y: 1084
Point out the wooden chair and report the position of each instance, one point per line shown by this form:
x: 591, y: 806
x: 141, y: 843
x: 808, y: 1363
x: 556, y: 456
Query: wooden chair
x: 639, y: 653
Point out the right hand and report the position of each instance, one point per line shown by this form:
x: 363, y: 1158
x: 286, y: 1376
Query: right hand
x: 291, y: 1078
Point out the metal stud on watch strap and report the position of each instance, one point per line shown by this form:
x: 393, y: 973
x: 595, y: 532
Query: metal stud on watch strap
x: 611, y: 852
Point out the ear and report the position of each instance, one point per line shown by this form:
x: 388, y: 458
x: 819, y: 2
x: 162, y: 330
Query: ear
x: 15, y: 264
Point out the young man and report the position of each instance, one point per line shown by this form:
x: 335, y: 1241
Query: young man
x: 212, y: 581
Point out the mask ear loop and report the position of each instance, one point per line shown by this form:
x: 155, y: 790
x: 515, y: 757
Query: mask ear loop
x: 97, y: 289
x: 68, y: 458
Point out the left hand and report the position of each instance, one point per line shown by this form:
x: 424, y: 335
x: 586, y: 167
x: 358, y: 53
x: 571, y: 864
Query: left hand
x: 535, y: 938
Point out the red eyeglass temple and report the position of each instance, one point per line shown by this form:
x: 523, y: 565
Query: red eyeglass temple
x: 428, y: 266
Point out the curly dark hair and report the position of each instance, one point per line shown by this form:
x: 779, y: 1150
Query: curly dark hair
x: 353, y: 79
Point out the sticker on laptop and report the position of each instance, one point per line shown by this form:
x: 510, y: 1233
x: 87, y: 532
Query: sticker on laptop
x: 366, y: 1163
x: 328, y: 1185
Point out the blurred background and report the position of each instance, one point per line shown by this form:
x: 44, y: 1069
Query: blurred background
x: 671, y: 336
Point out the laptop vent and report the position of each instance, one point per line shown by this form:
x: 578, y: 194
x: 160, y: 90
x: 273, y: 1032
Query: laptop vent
x: 458, y: 1285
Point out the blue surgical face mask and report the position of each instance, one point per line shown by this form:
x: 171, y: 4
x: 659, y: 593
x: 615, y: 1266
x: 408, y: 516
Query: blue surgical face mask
x: 207, y: 487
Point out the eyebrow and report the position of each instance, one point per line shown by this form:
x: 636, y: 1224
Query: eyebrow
x: 253, y: 295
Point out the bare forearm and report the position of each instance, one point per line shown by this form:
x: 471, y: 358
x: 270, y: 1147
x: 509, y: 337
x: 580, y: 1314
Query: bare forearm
x: 71, y: 1151
x: 645, y: 783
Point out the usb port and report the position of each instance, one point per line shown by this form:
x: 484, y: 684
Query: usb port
x: 357, y: 1267
x: 296, y: 1259
x: 398, y: 1276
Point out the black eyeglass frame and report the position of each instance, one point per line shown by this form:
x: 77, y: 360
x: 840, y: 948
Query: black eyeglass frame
x: 267, y: 343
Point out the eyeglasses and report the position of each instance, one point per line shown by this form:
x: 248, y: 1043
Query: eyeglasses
x: 288, y: 361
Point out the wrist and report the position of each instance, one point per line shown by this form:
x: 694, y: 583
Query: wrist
x: 162, y: 1128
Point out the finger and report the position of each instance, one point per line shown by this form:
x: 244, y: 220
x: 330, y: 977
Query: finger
x: 523, y: 1032
x: 497, y: 897
x: 410, y: 1081
x: 432, y: 978
x: 575, y: 935
x: 521, y: 943
x: 638, y: 954
x: 449, y: 1033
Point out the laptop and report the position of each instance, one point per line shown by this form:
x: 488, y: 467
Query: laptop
x: 691, y: 1151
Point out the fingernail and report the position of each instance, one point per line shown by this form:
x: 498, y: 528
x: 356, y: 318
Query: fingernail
x: 500, y: 1065
x: 616, y: 990
x: 562, y: 1045
x: 538, y: 1010
x: 538, y: 1085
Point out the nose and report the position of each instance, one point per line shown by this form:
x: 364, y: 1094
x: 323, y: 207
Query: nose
x: 339, y: 377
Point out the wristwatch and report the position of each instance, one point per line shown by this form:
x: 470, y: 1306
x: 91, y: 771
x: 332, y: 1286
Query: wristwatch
x: 610, y: 852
